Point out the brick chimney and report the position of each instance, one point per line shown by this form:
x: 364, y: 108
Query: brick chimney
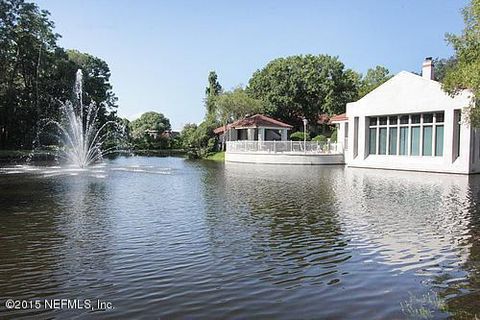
x: 427, y: 69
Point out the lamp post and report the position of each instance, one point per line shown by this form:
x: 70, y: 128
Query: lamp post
x: 305, y: 121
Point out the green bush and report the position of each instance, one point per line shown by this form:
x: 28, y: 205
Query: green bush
x: 333, y: 137
x: 298, y: 136
x: 320, y: 138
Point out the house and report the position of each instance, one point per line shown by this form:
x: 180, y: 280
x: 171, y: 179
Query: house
x: 153, y: 133
x: 254, y: 128
x: 410, y: 123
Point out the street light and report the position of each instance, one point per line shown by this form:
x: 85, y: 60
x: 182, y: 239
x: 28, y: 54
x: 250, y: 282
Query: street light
x: 305, y: 121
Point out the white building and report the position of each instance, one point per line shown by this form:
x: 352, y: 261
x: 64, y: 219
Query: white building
x: 410, y: 123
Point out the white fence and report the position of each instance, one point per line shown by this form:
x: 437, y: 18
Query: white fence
x: 310, y: 147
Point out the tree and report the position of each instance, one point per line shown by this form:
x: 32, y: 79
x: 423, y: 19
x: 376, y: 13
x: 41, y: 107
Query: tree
x: 149, y: 121
x: 36, y: 74
x: 236, y: 104
x: 303, y: 86
x: 373, y: 79
x: 187, y: 135
x: 199, y: 140
x: 213, y: 90
x: 441, y: 67
x: 465, y: 73
x: 27, y: 47
x: 96, y: 82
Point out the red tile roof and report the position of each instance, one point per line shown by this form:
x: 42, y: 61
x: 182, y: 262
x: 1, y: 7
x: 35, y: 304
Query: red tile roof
x: 255, y: 121
x: 339, y: 118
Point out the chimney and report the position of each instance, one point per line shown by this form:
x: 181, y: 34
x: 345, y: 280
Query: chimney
x: 427, y: 69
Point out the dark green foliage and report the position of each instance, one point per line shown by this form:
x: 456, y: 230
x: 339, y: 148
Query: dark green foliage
x: 299, y: 136
x: 441, y: 67
x: 214, y: 89
x: 372, y: 80
x: 199, y: 141
x: 304, y: 86
x: 147, y: 132
x: 236, y: 104
x: 36, y: 74
x: 464, y: 73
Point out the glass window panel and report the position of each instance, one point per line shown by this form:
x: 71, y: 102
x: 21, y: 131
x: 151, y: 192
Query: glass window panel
x: 392, y: 149
x: 372, y: 147
x: 458, y: 115
x: 403, y: 141
x: 439, y: 117
x: 428, y: 118
x: 383, y: 121
x: 382, y: 140
x: 404, y: 120
x: 439, y: 141
x: 393, y: 120
x: 415, y: 118
x: 373, y: 121
x: 415, y: 144
x: 427, y: 140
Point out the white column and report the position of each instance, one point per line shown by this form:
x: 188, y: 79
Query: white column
x: 251, y: 134
x: 284, y: 134
x: 261, y: 134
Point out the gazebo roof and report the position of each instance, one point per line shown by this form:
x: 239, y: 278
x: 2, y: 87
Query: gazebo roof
x: 255, y: 121
x: 339, y: 118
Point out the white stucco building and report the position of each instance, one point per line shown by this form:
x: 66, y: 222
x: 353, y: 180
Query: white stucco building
x: 410, y: 123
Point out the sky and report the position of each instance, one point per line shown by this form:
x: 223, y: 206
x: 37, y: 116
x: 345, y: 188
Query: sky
x: 160, y: 52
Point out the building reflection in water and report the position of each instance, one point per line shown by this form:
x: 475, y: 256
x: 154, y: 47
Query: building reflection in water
x: 421, y: 227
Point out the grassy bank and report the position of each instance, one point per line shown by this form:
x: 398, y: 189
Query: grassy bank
x: 217, y: 156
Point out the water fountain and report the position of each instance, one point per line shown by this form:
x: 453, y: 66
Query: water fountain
x: 81, y: 139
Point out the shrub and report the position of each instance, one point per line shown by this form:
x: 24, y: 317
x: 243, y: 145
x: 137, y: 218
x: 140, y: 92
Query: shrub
x: 298, y: 136
x: 320, y: 138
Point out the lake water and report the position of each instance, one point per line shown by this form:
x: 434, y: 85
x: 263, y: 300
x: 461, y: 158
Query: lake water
x: 174, y: 239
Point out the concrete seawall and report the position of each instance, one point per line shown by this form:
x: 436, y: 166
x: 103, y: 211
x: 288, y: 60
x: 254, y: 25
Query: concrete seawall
x: 285, y: 158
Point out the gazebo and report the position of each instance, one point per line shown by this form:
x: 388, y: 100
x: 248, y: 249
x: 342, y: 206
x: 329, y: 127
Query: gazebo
x: 254, y: 128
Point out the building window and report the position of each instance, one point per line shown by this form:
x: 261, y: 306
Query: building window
x: 439, y: 116
x: 439, y: 141
x: 427, y: 140
x: 372, y: 148
x: 403, y: 141
x: 355, y: 136
x: 458, y: 126
x: 382, y: 141
x: 345, y: 139
x: 428, y: 118
x: 415, y: 143
x: 414, y: 135
x: 392, y: 141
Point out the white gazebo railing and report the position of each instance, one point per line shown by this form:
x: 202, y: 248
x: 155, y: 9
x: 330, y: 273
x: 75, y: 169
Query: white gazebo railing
x: 310, y: 147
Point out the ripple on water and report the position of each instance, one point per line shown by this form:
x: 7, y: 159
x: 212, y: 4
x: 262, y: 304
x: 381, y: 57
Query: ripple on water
x: 164, y: 237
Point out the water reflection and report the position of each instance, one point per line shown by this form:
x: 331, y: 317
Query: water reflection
x: 240, y: 241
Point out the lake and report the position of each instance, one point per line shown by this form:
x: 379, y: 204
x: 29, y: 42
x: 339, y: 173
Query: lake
x: 170, y: 238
